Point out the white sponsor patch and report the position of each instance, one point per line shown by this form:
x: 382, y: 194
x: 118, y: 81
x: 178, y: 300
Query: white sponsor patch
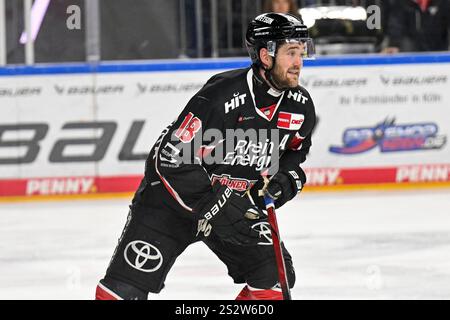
x: 264, y: 19
x: 290, y: 121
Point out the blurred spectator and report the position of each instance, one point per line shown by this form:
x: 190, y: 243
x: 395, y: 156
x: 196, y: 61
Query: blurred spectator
x: 418, y: 25
x: 54, y: 41
x: 281, y: 6
x: 192, y: 31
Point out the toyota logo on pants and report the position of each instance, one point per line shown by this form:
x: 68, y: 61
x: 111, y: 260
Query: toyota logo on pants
x: 143, y: 256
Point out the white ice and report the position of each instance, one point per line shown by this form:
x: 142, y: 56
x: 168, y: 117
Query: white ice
x: 363, y: 245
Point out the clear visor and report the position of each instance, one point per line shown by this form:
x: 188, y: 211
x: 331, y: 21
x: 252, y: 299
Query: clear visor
x: 309, y: 50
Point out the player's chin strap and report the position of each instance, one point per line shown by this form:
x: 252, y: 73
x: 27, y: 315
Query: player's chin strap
x: 270, y: 78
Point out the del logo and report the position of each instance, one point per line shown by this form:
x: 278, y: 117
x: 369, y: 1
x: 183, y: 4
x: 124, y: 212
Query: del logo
x: 391, y: 138
x: 290, y: 121
x: 237, y: 184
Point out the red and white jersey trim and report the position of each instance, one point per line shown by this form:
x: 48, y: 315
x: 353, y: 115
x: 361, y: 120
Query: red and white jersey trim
x: 106, y: 292
x: 250, y: 87
x: 169, y: 188
x: 296, y: 143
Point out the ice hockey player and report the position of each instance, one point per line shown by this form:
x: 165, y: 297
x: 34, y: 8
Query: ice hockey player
x: 203, y: 175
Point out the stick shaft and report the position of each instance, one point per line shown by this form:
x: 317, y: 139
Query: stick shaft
x: 281, y: 266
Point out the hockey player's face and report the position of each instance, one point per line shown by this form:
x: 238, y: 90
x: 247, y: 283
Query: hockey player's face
x: 288, y: 65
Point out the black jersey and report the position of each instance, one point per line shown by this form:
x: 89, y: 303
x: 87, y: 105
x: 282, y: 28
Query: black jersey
x: 232, y: 131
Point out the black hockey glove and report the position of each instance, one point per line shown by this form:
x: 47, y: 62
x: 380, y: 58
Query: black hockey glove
x: 232, y: 217
x: 282, y: 187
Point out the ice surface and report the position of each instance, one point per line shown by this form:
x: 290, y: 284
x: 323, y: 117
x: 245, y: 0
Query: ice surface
x: 363, y: 245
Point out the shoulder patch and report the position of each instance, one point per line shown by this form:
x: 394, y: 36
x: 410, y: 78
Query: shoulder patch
x: 290, y: 121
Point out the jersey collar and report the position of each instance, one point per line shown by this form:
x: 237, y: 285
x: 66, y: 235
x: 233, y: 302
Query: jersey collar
x: 250, y: 75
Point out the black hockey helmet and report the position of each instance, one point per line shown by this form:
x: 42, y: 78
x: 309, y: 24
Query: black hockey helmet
x: 269, y: 29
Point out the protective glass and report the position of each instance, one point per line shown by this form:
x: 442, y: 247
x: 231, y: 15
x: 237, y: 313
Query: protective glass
x: 308, y: 44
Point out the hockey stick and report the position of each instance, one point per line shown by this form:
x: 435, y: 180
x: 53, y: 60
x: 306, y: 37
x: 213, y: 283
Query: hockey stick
x: 281, y: 266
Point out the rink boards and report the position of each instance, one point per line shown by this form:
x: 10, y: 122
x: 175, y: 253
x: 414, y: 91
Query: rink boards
x: 77, y: 129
